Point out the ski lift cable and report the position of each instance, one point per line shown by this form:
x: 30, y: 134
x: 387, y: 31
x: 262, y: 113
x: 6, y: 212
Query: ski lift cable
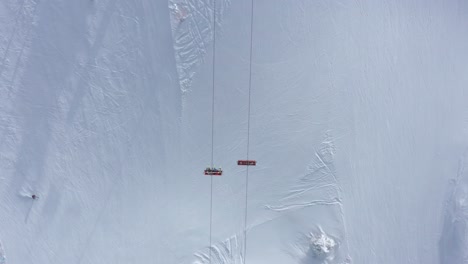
x: 248, y: 129
x: 212, y: 125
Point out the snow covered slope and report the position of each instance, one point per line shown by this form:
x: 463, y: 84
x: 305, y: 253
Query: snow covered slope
x: 358, y: 122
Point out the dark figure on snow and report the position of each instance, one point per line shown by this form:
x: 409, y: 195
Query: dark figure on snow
x: 34, y: 196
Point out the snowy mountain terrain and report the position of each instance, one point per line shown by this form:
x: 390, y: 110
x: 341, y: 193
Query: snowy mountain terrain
x: 358, y: 123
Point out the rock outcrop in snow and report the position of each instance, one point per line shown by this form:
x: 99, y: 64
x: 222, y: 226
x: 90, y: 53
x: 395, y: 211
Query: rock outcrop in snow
x: 322, y: 246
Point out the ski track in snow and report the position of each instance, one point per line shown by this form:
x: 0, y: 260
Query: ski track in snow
x: 302, y: 205
x: 17, y: 43
x: 192, y: 31
x: 88, y: 120
x: 227, y: 252
x: 319, y: 182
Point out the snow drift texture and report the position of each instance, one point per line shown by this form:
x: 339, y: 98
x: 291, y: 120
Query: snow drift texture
x: 359, y: 124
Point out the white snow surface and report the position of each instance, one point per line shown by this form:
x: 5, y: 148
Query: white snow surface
x: 358, y: 123
x: 2, y: 254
